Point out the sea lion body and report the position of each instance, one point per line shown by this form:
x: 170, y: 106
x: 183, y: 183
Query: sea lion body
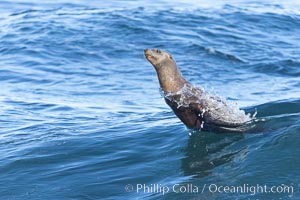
x: 196, y: 108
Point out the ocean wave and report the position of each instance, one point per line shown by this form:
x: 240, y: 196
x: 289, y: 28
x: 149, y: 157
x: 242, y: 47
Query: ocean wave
x: 278, y: 108
x: 288, y: 68
x: 80, y: 107
x: 218, y: 53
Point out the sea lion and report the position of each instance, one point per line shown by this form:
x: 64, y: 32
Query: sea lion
x: 196, y: 108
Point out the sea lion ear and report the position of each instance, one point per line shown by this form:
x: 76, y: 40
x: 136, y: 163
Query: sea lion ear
x: 171, y: 57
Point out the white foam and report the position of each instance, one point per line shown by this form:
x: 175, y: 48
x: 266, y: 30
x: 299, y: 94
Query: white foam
x: 217, y: 107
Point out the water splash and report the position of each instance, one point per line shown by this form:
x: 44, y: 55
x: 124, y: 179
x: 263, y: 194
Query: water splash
x: 216, y: 107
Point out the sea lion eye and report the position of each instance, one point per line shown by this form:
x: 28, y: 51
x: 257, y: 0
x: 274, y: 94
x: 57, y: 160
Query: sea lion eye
x: 158, y: 51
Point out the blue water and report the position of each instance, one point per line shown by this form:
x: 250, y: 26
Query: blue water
x: 82, y: 116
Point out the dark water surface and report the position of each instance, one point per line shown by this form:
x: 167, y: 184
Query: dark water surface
x: 82, y: 116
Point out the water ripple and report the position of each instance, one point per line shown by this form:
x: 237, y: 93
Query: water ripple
x: 82, y: 117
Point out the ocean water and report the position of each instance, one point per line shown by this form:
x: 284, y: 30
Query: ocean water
x: 81, y: 115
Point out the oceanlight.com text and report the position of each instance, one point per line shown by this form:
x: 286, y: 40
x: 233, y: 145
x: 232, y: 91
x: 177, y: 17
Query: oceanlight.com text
x: 210, y: 188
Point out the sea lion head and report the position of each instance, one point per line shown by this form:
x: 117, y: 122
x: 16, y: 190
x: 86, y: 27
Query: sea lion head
x: 158, y: 57
x: 169, y: 76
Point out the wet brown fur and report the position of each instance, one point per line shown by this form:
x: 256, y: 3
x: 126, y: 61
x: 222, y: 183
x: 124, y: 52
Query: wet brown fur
x: 171, y: 81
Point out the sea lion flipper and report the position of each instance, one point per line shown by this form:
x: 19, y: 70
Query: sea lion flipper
x: 197, y: 108
x: 199, y: 111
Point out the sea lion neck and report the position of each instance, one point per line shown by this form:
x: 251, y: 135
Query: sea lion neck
x: 169, y: 76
